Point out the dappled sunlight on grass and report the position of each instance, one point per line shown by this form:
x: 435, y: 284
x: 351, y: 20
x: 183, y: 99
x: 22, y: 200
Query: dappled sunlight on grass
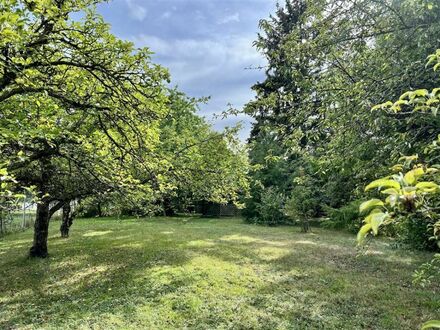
x: 239, y: 238
x: 306, y: 242
x: 167, y: 232
x: 97, y: 233
x: 268, y: 253
x: 79, y: 277
x: 204, y: 273
x: 200, y: 243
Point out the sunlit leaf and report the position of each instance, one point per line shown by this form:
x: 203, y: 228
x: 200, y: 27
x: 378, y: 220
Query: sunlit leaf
x: 383, y: 183
x: 365, y: 206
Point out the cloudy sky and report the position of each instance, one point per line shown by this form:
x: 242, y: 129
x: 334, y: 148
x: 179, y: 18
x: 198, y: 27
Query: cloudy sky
x: 206, y: 44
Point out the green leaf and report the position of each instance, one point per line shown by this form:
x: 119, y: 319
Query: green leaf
x: 427, y: 186
x: 421, y: 92
x: 383, y: 183
x: 390, y: 191
x: 365, y: 229
x: 411, y: 176
x: 376, y: 221
x: 433, y: 324
x: 391, y: 200
x: 365, y: 206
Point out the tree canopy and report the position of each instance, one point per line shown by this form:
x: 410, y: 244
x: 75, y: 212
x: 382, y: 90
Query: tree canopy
x: 84, y: 113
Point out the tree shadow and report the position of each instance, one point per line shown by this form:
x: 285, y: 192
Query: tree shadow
x: 109, y: 269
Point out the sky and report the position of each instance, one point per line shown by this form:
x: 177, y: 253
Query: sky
x: 205, y: 44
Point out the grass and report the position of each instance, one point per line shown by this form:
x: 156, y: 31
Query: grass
x: 168, y: 273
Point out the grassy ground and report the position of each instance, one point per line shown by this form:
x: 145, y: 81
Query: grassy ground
x: 208, y: 274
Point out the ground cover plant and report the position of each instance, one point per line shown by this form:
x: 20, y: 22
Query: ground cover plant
x: 198, y: 273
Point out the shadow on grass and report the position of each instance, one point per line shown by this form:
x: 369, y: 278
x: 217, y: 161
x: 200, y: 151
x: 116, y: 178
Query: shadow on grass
x: 262, y: 276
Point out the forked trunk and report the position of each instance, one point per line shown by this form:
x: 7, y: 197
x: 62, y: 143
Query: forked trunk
x: 41, y: 231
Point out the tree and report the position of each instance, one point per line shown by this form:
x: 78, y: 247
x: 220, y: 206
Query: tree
x: 328, y: 63
x: 199, y: 164
x: 86, y: 102
x: 414, y: 188
x: 303, y: 203
x: 411, y: 193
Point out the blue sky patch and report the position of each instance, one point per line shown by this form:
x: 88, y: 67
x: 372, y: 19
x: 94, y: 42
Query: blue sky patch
x: 206, y: 45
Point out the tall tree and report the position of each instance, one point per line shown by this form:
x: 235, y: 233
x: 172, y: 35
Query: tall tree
x: 75, y: 102
x: 329, y: 62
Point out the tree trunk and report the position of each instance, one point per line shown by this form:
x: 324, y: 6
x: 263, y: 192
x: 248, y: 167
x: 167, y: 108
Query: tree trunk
x: 168, y: 209
x: 99, y: 210
x: 305, y: 226
x: 41, y: 231
x: 66, y: 221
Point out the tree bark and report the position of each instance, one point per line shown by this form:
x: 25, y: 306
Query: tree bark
x: 41, y: 231
x: 67, y: 220
x: 168, y: 209
x: 99, y: 210
x: 305, y: 225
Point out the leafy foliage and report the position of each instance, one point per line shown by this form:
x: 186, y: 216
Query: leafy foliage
x: 269, y: 208
x: 328, y: 64
x: 84, y: 113
x: 303, y: 203
x: 345, y: 217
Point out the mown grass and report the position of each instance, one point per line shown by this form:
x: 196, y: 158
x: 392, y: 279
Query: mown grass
x: 173, y: 273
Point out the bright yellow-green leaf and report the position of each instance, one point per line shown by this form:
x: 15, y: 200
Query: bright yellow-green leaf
x: 408, y: 190
x: 368, y: 218
x: 427, y: 186
x: 376, y: 220
x: 397, y: 168
x: 418, y: 172
x: 365, y: 229
x: 433, y: 324
x: 420, y: 92
x: 391, y: 191
x: 365, y: 206
x: 409, y: 158
x: 410, y: 177
x: 383, y: 183
x: 391, y: 200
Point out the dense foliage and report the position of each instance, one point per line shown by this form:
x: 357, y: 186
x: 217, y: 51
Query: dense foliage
x: 329, y: 63
x: 85, y: 114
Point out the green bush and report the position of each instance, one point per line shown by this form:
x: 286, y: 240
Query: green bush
x: 414, y: 232
x: 346, y: 217
x: 303, y: 205
x: 268, y: 210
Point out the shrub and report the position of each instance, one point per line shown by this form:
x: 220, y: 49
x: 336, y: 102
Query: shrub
x: 413, y: 232
x: 268, y: 210
x: 346, y: 217
x: 303, y: 204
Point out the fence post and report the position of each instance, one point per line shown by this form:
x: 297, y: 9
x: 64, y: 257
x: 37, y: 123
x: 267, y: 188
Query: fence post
x: 23, y: 225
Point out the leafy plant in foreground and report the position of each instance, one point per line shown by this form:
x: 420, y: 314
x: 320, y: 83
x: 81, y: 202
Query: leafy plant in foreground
x: 407, y: 193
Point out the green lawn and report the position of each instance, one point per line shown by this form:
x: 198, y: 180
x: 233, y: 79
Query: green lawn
x: 208, y: 274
